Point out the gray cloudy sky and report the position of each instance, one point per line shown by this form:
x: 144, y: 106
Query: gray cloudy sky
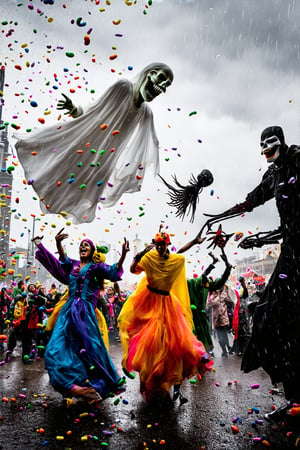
x: 236, y: 63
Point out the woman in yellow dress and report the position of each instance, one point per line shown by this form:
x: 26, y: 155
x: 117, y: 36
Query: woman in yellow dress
x: 156, y: 326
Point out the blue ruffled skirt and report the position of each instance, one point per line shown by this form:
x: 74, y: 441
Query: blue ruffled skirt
x: 76, y: 353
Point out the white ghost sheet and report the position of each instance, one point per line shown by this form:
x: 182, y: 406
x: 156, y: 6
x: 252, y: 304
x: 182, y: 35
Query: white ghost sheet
x: 76, y: 164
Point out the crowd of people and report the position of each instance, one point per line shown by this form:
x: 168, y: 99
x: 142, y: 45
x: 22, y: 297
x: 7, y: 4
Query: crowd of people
x: 25, y: 309
x: 182, y: 316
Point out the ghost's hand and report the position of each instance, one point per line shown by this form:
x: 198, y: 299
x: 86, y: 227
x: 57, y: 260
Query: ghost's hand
x: 65, y: 104
x: 69, y: 106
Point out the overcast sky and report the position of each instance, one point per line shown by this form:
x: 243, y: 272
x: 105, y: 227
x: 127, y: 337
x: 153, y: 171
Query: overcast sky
x: 235, y: 63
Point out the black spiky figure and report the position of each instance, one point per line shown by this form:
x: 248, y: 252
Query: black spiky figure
x: 185, y: 198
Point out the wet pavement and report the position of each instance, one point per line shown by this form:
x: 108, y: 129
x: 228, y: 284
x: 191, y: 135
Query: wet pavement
x: 33, y: 415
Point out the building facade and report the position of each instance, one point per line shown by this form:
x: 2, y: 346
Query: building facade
x: 6, y: 180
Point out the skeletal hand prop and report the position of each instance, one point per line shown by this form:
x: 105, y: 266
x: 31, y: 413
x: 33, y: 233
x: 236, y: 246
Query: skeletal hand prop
x: 219, y: 238
x: 260, y: 239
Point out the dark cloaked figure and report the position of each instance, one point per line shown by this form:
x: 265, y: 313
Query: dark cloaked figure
x: 275, y: 340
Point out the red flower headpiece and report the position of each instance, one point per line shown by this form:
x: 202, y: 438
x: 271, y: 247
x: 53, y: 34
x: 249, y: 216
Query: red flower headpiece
x: 162, y: 236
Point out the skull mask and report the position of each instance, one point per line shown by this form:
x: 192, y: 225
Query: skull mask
x: 155, y: 83
x: 272, y: 139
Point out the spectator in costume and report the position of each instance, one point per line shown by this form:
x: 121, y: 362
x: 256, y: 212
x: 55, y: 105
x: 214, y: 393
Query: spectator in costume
x: 199, y: 288
x: 241, y: 327
x: 219, y: 301
x: 5, y: 301
x: 17, y: 317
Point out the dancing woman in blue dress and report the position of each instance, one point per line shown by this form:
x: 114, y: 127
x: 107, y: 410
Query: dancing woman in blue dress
x: 76, y: 356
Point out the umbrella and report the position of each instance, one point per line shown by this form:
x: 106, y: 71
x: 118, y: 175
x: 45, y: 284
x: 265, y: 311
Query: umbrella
x: 259, y: 279
x: 248, y: 274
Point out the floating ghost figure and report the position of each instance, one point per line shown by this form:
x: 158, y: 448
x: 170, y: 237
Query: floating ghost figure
x: 102, y: 153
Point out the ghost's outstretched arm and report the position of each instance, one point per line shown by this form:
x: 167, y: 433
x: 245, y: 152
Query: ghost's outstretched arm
x: 74, y: 111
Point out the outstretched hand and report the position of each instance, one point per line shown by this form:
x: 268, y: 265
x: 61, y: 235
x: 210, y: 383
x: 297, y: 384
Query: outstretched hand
x: 207, y: 225
x: 199, y: 239
x: 65, y: 104
x: 37, y: 240
x: 125, y: 246
x: 60, y: 236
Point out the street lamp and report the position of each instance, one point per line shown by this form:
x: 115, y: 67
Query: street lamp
x: 34, y: 219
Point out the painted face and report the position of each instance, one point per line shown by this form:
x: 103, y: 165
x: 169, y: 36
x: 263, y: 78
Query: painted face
x: 155, y: 83
x: 270, y: 148
x: 85, y: 250
x: 162, y: 248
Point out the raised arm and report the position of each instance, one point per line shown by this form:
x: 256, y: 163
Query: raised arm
x: 196, y: 241
x: 219, y: 282
x: 125, y: 250
x: 74, y: 111
x: 139, y: 256
x: 60, y: 236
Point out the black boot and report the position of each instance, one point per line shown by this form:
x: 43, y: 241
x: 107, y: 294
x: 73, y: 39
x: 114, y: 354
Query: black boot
x: 182, y: 400
x: 279, y: 414
x: 176, y: 393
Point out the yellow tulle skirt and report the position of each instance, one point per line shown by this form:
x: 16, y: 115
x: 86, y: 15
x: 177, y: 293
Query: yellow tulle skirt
x: 158, y: 341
